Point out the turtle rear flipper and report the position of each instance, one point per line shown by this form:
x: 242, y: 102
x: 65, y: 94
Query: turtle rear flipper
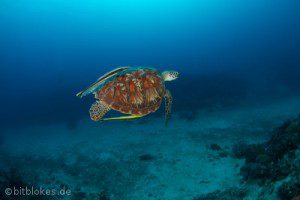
x: 98, y: 110
x: 168, y: 105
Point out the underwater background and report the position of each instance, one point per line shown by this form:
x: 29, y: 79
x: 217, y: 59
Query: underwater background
x: 235, y: 126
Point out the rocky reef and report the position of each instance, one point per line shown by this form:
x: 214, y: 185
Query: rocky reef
x: 228, y: 194
x: 275, y: 162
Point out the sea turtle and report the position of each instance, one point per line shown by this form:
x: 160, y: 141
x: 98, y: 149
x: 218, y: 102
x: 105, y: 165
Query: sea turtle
x: 134, y: 91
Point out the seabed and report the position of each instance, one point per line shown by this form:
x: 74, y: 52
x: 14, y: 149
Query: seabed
x: 144, y: 160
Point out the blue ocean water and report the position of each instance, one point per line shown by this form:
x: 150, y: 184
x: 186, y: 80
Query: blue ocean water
x: 233, y: 57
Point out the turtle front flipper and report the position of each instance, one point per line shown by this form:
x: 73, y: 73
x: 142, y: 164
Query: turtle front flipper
x: 98, y: 110
x: 168, y: 105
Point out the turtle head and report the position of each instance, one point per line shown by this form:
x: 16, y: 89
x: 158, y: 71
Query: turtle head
x: 170, y: 75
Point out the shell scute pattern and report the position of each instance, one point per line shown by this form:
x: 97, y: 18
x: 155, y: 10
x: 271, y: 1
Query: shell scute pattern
x: 136, y: 92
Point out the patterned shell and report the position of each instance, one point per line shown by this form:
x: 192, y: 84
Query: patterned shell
x: 138, y: 91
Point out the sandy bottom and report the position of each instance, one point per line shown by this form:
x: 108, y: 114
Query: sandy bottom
x: 141, y: 159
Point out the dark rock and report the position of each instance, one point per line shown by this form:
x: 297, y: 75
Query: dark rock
x: 223, y: 154
x: 78, y: 195
x: 263, y: 159
x: 104, y: 195
x: 229, y: 194
x: 272, y: 160
x: 289, y: 190
x: 239, y: 150
x: 255, y: 171
x: 248, y: 151
x: 284, y: 139
x: 146, y: 157
x: 13, y: 179
x: 284, y: 126
x: 215, y: 147
x: 296, y: 198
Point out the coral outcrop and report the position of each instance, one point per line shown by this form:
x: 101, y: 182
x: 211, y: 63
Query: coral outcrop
x: 228, y: 194
x: 274, y: 161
